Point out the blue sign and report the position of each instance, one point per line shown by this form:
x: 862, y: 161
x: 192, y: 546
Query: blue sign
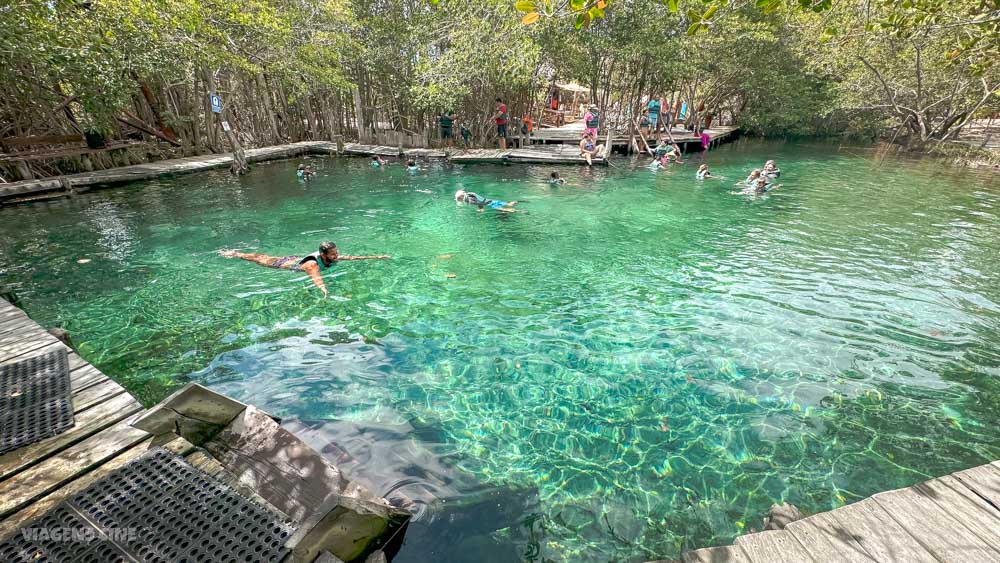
x: 216, y: 103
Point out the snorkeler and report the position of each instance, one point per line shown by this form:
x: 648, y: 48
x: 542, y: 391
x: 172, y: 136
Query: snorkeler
x: 555, y: 179
x: 472, y: 198
x: 312, y: 264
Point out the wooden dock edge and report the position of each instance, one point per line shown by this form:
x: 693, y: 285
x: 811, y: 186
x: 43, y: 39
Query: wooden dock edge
x: 950, y: 519
x: 232, y: 442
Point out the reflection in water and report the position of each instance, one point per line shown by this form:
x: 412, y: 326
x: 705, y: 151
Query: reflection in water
x: 640, y: 363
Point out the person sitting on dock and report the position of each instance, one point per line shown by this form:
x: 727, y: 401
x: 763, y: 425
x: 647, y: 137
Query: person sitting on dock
x: 473, y: 198
x: 589, y: 149
x: 592, y: 121
x: 770, y: 170
x: 556, y: 180
x: 312, y: 264
x: 377, y: 161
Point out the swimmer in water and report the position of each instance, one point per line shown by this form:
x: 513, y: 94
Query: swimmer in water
x: 473, y: 198
x: 759, y: 186
x: 377, y: 161
x: 411, y: 167
x: 312, y: 264
x: 771, y: 170
x: 555, y: 179
x: 703, y: 172
x: 751, y: 179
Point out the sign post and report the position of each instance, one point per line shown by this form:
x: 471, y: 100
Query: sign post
x: 216, y: 103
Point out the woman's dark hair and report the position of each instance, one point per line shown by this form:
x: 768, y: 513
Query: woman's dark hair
x: 326, y: 246
x: 499, y: 100
x: 554, y: 175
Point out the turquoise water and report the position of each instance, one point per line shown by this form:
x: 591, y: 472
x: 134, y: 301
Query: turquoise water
x: 639, y: 364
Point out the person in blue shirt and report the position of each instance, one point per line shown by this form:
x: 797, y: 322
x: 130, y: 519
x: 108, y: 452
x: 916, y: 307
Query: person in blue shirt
x: 411, y: 167
x: 377, y: 161
x: 556, y: 180
x: 653, y: 107
x: 472, y: 198
x: 312, y: 264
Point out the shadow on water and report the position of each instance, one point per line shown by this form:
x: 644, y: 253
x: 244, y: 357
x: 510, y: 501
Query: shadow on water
x: 456, y: 518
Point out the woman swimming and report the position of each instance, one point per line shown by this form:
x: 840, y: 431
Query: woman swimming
x: 311, y: 264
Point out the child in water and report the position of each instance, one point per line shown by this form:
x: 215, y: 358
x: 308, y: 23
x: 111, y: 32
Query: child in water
x: 301, y: 171
x: 751, y: 179
x: 411, y: 167
x: 703, y: 172
x: 556, y: 180
x: 377, y: 161
x: 771, y: 170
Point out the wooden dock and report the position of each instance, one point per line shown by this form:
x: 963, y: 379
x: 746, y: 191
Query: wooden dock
x: 951, y: 519
x: 250, y: 453
x: 571, y: 134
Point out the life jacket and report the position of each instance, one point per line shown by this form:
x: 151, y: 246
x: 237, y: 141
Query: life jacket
x: 594, y: 120
x: 319, y: 261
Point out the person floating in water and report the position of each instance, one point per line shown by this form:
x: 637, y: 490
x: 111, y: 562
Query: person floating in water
x: 411, y: 167
x: 304, y: 172
x: 473, y: 198
x: 751, y: 179
x: 703, y: 172
x: 759, y: 186
x: 312, y: 264
x: 377, y: 161
x: 555, y: 179
x: 770, y: 170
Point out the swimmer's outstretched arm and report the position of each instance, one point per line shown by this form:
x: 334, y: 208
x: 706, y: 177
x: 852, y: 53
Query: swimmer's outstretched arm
x: 313, y: 270
x: 376, y: 257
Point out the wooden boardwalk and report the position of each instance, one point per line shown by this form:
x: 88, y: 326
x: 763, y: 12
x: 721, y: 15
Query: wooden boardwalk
x: 571, y: 134
x: 266, y: 464
x: 36, y: 477
x: 951, y: 519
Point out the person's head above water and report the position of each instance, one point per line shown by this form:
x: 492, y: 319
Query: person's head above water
x: 411, y: 163
x: 328, y: 251
x: 460, y: 195
x: 755, y: 173
x: 769, y: 165
x: 554, y: 175
x: 702, y: 167
x: 302, y: 167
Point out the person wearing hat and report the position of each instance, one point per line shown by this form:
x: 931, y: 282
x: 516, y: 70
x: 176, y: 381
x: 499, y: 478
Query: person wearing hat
x: 592, y: 121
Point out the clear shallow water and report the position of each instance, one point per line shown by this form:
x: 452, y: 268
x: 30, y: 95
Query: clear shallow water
x: 640, y: 364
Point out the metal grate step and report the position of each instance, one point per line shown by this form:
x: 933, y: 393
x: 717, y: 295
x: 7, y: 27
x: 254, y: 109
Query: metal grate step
x: 35, y: 400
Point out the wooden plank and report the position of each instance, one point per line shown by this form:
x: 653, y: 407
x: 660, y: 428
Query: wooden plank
x: 774, y: 546
x: 979, y: 516
x: 984, y: 481
x: 207, y: 464
x: 20, y: 350
x: 96, y: 394
x: 85, y: 377
x: 28, y: 486
x: 826, y: 541
x: 40, y: 140
x: 86, y: 424
x: 725, y: 554
x: 31, y: 330
x: 946, y: 538
x: 41, y: 505
x: 881, y: 536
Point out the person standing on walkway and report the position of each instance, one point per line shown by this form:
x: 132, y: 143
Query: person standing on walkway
x: 653, y: 107
x: 447, y: 120
x: 592, y: 122
x: 500, y: 118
